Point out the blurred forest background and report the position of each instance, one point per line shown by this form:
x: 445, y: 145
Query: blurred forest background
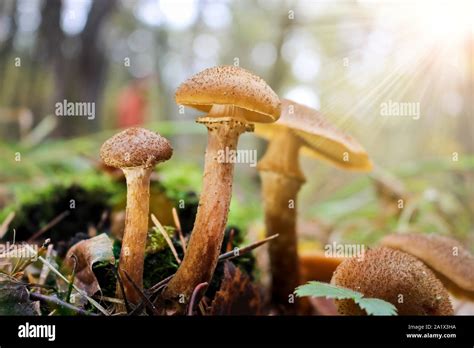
x: 345, y: 58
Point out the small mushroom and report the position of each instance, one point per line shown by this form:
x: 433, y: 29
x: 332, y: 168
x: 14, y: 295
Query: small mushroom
x: 299, y: 127
x: 395, y: 277
x: 452, y: 263
x: 136, y: 151
x: 233, y: 99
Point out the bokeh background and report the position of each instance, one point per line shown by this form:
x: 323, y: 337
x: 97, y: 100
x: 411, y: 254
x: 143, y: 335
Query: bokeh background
x: 345, y: 58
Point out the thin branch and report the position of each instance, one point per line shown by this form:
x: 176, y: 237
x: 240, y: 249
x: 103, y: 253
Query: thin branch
x: 103, y: 218
x: 241, y: 251
x: 231, y: 240
x: 161, y: 283
x: 49, y: 225
x: 177, y: 223
x: 122, y: 289
x: 111, y: 299
x: 45, y: 270
x: 54, y: 300
x: 145, y: 299
x: 160, y: 228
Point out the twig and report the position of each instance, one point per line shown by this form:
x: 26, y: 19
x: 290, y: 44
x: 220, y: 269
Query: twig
x: 145, y: 299
x: 111, y: 299
x: 49, y: 225
x: 122, y: 289
x: 153, y: 290
x: 103, y: 218
x: 6, y: 223
x: 240, y: 251
x: 231, y: 240
x: 195, y: 297
x: 54, y: 300
x: 73, y: 278
x: 45, y: 270
x: 165, y: 235
x: 177, y: 223
x: 161, y: 283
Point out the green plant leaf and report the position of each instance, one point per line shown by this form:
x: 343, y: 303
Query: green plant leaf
x: 319, y: 289
x: 375, y: 306
x: 372, y: 306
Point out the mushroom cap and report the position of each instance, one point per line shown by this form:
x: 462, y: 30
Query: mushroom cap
x: 230, y: 85
x: 444, y: 255
x: 315, y: 265
x: 135, y: 147
x: 319, y: 138
x: 395, y: 277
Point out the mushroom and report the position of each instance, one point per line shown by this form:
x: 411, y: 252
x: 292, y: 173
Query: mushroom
x: 451, y: 262
x: 136, y: 151
x: 316, y: 265
x: 299, y: 127
x: 233, y: 99
x: 395, y: 277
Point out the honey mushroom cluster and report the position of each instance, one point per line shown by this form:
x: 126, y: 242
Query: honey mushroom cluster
x: 408, y: 270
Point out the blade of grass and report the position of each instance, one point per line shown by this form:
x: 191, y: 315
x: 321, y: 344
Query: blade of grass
x: 162, y: 230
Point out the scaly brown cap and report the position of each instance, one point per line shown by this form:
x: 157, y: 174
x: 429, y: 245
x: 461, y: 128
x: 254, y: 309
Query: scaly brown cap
x: 319, y: 138
x: 135, y: 147
x: 230, y: 85
x: 395, y: 277
x: 445, y: 255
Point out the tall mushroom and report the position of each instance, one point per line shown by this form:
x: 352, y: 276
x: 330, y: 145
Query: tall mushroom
x: 136, y: 151
x: 299, y: 127
x: 395, y: 277
x: 233, y: 99
x: 452, y: 263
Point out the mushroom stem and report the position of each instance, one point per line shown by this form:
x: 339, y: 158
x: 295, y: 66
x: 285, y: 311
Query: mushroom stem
x: 281, y: 181
x: 136, y: 229
x: 206, y: 239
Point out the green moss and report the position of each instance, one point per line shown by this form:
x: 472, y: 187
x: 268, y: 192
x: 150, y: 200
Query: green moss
x: 156, y: 242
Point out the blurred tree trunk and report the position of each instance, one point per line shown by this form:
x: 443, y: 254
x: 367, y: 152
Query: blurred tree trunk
x: 8, y: 8
x: 92, y: 63
x: 78, y: 77
x: 280, y: 67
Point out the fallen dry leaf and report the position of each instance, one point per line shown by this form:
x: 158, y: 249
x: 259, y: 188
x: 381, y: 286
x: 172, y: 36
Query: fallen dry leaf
x: 237, y: 295
x: 88, y: 252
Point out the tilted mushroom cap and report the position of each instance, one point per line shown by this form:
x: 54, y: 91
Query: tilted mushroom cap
x: 135, y: 147
x: 395, y: 277
x: 315, y: 265
x: 230, y: 85
x: 444, y: 255
x: 320, y: 138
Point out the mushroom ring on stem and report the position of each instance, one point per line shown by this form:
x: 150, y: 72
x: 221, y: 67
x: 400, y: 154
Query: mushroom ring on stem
x: 233, y: 99
x: 299, y: 127
x: 136, y: 151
